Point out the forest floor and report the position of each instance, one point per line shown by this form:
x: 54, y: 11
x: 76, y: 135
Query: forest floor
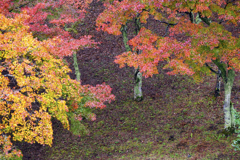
x: 177, y: 119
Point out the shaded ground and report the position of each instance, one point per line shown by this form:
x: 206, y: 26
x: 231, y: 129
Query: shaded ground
x: 176, y: 120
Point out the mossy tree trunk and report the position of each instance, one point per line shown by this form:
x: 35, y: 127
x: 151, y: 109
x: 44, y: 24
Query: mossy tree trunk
x: 229, y: 116
x: 228, y: 79
x: 138, y: 96
x: 75, y: 63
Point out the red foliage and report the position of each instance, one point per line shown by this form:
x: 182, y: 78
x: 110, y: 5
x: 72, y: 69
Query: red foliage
x: 101, y: 94
x: 185, y: 57
x: 71, y: 11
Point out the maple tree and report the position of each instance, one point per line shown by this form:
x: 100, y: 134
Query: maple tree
x: 59, y: 14
x: 207, y: 41
x: 34, y: 84
x: 114, y: 20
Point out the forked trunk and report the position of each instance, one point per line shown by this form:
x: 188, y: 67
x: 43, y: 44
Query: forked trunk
x: 138, y: 96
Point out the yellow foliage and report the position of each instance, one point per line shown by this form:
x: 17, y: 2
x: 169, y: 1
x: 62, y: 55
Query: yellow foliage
x: 31, y: 85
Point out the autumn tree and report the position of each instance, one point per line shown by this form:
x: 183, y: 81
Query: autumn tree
x: 114, y: 20
x: 56, y: 18
x: 34, y: 84
x: 207, y: 41
x: 63, y: 17
x: 60, y: 15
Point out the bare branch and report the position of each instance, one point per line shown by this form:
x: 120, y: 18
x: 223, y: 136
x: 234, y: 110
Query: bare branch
x: 211, y: 69
x: 168, y: 24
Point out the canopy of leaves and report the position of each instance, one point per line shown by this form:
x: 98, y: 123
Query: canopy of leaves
x: 203, y: 43
x: 34, y: 84
x: 31, y: 84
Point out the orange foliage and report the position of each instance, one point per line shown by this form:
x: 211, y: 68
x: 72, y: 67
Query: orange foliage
x: 203, y: 44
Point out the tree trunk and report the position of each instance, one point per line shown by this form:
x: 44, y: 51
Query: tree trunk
x: 229, y: 116
x: 75, y: 63
x: 228, y: 79
x: 125, y: 39
x: 138, y: 96
x: 218, y: 83
x: 197, y: 20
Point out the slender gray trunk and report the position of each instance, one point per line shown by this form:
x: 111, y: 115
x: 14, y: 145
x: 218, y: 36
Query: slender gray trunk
x: 218, y: 83
x: 138, y: 96
x: 75, y: 63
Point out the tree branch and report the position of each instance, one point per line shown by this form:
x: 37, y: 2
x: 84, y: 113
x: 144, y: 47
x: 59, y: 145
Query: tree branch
x: 204, y: 19
x: 223, y: 69
x: 8, y: 75
x: 211, y: 69
x: 168, y: 24
x: 173, y: 24
x: 22, y: 5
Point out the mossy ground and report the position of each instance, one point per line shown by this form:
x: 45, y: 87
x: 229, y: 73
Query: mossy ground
x: 177, y: 119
